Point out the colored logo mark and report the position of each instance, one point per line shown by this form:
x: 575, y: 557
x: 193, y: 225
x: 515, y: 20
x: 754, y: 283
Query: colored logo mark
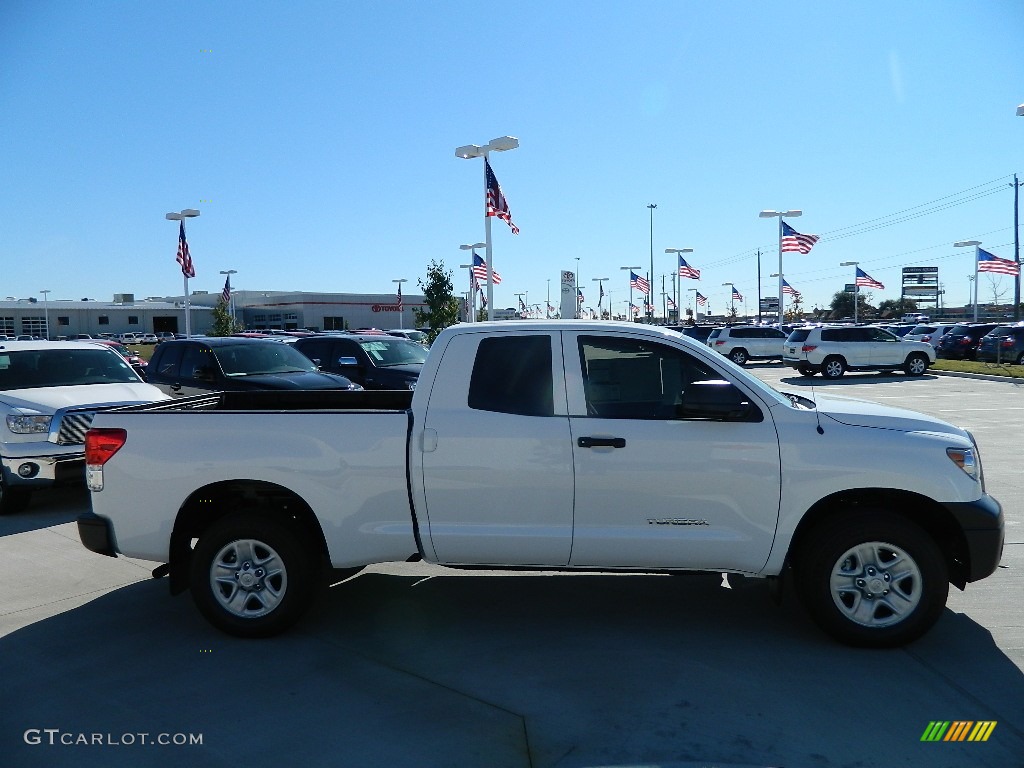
x: 958, y: 730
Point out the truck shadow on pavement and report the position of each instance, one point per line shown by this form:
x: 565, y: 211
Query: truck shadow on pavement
x: 503, y: 670
x: 853, y: 379
x: 49, y: 507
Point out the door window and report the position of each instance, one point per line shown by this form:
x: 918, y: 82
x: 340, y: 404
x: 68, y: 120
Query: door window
x: 512, y: 374
x: 637, y: 379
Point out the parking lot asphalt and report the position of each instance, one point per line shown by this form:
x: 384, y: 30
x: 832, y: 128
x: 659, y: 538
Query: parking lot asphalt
x: 416, y: 665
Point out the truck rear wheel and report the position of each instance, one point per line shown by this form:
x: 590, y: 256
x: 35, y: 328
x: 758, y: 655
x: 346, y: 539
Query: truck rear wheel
x: 872, y: 579
x: 253, y: 576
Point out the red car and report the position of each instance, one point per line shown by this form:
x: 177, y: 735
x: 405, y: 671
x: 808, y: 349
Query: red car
x: 136, y: 362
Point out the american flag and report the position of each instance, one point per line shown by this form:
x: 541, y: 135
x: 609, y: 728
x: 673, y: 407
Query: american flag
x: 522, y: 304
x: 480, y: 270
x: 225, y: 295
x: 988, y: 262
x: 600, y: 295
x: 551, y: 310
x: 736, y: 295
x: 701, y: 299
x: 634, y: 309
x: 866, y: 280
x: 642, y: 284
x: 399, y: 297
x: 184, y: 258
x: 685, y: 270
x: 794, y: 241
x: 648, y: 307
x: 671, y: 303
x: 787, y: 288
x: 497, y: 205
x: 579, y: 296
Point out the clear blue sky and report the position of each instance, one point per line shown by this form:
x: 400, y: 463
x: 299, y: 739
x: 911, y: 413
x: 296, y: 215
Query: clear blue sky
x: 318, y: 141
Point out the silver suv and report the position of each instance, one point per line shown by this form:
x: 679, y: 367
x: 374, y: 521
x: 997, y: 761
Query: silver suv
x: 834, y: 350
x: 748, y: 342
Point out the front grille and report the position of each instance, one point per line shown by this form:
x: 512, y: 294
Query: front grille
x: 73, y: 427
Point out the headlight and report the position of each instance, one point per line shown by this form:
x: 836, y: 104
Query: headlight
x: 27, y: 425
x: 965, y: 459
x: 411, y: 384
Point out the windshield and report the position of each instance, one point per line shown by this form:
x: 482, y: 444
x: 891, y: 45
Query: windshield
x: 385, y: 352
x: 257, y: 359
x: 63, y: 368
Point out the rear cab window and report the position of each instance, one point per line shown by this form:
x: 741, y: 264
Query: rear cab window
x: 512, y: 374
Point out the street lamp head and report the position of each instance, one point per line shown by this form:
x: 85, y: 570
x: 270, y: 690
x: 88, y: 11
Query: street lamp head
x: 473, y: 246
x: 503, y: 144
x: 188, y: 213
x: 963, y: 243
x: 679, y: 250
x: 229, y: 271
x: 848, y: 263
x: 468, y: 151
x: 726, y: 283
x: 770, y: 214
x: 1020, y: 111
x: 652, y: 206
x: 630, y: 267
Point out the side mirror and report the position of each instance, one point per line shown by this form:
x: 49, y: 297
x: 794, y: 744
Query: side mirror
x: 715, y: 399
x: 347, y: 361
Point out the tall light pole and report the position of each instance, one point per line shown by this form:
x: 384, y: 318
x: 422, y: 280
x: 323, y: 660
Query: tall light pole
x: 974, y: 278
x: 732, y: 303
x: 401, y: 304
x: 469, y: 151
x: 780, y: 215
x: 694, y: 304
x: 577, y: 314
x: 231, y: 295
x: 46, y: 311
x: 600, y: 293
x: 629, y: 314
x: 675, y: 283
x: 856, y: 288
x: 650, y: 288
x: 471, y: 307
x: 180, y: 216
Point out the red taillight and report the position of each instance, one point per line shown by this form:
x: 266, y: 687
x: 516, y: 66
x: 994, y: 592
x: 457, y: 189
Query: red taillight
x: 965, y: 339
x: 1008, y: 341
x: 808, y: 347
x: 717, y: 342
x: 926, y: 338
x: 101, y: 444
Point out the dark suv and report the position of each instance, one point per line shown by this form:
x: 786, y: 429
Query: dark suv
x: 185, y: 367
x: 374, y: 361
x: 961, y: 343
x: 1004, y: 344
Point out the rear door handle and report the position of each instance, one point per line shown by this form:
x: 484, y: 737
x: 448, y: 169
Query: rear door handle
x: 601, y: 442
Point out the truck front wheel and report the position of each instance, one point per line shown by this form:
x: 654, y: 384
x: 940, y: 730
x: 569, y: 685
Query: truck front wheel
x: 872, y: 579
x: 252, y: 576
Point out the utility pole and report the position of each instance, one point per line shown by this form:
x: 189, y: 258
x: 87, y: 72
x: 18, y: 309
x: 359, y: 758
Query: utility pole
x: 1016, y: 246
x: 759, y: 289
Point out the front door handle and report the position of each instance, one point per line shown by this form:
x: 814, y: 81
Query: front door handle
x: 601, y: 442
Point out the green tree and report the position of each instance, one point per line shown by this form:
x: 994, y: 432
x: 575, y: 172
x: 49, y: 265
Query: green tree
x: 223, y: 323
x: 842, y: 305
x: 442, y: 306
x: 795, y: 311
x: 896, y: 307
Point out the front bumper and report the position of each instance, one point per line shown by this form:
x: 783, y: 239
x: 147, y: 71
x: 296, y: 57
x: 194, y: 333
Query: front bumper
x: 983, y: 527
x: 97, y: 534
x: 35, y: 471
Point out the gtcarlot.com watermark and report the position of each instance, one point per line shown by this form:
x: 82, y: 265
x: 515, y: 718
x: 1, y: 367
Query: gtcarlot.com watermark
x: 56, y: 737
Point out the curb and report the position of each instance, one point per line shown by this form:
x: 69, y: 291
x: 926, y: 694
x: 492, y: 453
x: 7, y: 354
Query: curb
x: 979, y: 376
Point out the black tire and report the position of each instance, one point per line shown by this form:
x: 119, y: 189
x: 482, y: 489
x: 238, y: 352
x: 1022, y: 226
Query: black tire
x: 805, y: 371
x: 872, y: 579
x: 1020, y: 359
x: 833, y: 367
x: 253, y: 576
x: 739, y: 356
x: 915, y: 365
x: 13, y: 500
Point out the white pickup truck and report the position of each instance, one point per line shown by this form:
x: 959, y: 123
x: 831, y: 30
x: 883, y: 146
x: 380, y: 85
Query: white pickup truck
x: 549, y: 445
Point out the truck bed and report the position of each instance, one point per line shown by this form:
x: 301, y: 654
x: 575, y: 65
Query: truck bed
x: 283, y: 401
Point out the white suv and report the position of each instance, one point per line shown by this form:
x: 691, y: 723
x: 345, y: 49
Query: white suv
x: 834, y: 350
x: 748, y: 342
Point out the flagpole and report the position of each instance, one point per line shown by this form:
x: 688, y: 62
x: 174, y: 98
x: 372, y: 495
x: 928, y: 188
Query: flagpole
x: 977, y: 255
x: 780, y: 274
x: 188, y: 319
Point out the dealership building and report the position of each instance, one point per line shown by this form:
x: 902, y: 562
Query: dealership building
x: 287, y: 310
